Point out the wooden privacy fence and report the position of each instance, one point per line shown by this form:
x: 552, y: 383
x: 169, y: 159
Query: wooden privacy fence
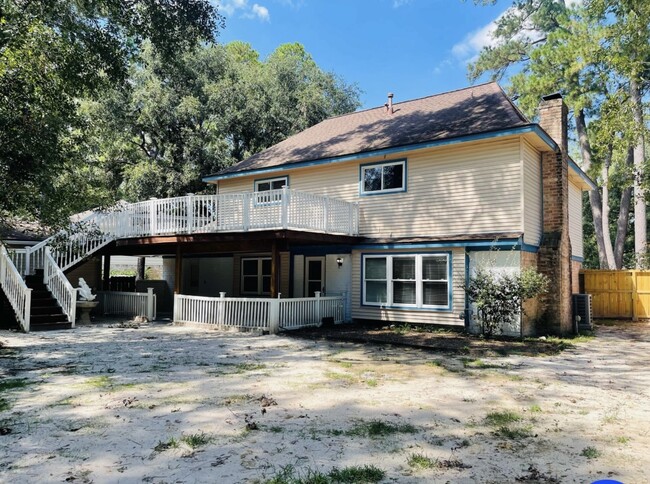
x: 618, y: 294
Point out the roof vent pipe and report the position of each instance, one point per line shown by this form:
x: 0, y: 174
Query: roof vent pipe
x: 389, y: 106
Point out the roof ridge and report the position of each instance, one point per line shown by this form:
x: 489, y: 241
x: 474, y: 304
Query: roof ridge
x: 416, y: 99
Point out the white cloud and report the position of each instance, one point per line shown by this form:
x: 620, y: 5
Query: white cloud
x: 261, y: 12
x: 473, y: 42
x: 232, y: 7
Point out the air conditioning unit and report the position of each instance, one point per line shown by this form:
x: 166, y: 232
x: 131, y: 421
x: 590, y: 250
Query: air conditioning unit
x: 582, y: 317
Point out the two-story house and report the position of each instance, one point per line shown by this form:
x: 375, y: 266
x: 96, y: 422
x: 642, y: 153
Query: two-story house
x: 391, y: 209
x: 441, y: 182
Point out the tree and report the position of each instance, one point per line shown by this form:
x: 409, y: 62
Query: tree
x: 55, y: 52
x: 574, y: 50
x: 215, y: 105
x: 499, y: 297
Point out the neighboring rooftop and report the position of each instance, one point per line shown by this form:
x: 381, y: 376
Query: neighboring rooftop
x: 19, y: 230
x: 473, y: 110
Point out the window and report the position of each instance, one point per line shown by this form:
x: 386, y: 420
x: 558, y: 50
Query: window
x: 256, y: 276
x: 268, y: 185
x: 409, y: 280
x: 383, y: 178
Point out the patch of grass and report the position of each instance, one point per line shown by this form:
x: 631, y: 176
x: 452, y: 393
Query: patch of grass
x: 421, y: 461
x: 344, y: 364
x: 348, y: 475
x: 4, y: 405
x: 101, y: 382
x: 236, y: 368
x: 477, y: 364
x: 514, y: 433
x: 196, y: 440
x: 242, y: 367
x: 623, y: 440
x: 346, y: 377
x: 161, y: 446
x: 500, y: 419
x: 434, y: 363
x: 276, y: 429
x: 371, y: 382
x: 379, y: 428
x: 14, y: 383
x: 356, y: 474
x: 590, y: 452
x: 535, y: 409
x: 236, y: 399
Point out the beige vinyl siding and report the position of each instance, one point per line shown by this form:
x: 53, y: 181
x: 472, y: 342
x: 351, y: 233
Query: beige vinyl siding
x: 412, y: 316
x: 575, y: 220
x: 532, y: 213
x: 463, y: 189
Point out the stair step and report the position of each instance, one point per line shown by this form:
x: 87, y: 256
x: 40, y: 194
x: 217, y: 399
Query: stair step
x: 50, y: 326
x: 48, y: 318
x: 49, y: 302
x: 51, y: 309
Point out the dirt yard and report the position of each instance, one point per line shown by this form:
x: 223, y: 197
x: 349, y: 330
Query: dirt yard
x: 158, y: 403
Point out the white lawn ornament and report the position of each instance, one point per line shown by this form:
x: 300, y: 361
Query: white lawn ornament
x: 85, y: 292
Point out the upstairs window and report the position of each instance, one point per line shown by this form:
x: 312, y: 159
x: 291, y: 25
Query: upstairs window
x: 383, y: 178
x: 270, y: 185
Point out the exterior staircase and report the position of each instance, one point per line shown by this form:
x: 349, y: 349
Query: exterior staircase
x: 46, y: 314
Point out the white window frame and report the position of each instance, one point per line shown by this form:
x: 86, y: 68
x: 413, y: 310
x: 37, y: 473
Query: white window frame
x: 263, y: 198
x: 419, y: 281
x: 362, y: 175
x: 260, y: 276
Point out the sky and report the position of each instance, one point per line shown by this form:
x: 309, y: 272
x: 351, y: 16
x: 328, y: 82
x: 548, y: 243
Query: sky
x: 412, y: 48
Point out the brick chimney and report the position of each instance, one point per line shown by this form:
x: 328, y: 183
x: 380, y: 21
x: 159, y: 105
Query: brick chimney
x: 554, y: 257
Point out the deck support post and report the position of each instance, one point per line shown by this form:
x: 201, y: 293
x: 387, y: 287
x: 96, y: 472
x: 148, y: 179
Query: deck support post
x: 274, y: 269
x: 178, y: 270
x: 106, y: 273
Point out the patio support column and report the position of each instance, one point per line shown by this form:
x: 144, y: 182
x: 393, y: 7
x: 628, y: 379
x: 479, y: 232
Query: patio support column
x: 106, y: 273
x: 178, y: 272
x: 274, y: 269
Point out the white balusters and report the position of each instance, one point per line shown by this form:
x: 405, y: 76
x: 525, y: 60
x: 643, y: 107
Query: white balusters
x: 15, y: 289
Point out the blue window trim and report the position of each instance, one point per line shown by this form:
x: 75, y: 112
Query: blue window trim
x: 474, y: 244
x: 401, y: 161
x: 577, y: 258
x: 450, y: 285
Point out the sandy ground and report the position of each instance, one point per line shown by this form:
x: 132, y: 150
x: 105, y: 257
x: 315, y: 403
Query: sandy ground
x: 121, y: 404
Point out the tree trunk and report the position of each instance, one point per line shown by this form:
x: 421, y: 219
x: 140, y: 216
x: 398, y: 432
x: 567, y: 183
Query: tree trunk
x: 607, y: 240
x: 639, y: 160
x: 139, y: 272
x: 623, y: 219
x: 595, y: 199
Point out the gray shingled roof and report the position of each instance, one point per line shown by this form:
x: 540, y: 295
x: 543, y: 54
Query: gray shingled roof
x: 473, y: 110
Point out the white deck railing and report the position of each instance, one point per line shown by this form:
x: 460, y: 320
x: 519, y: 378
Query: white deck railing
x: 14, y: 287
x: 267, y: 314
x: 129, y: 304
x: 60, y: 287
x: 237, y: 212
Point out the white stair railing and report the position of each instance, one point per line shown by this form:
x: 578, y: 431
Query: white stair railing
x: 14, y: 287
x: 60, y: 287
